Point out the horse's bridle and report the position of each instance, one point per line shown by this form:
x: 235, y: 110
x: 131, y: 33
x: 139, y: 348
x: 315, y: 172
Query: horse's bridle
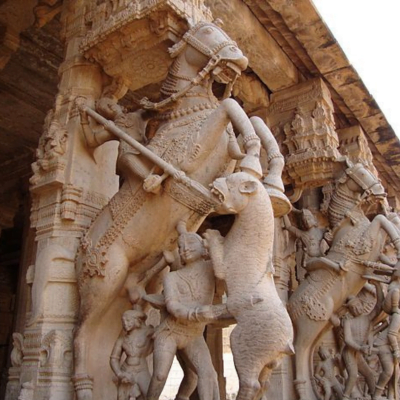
x: 214, y: 59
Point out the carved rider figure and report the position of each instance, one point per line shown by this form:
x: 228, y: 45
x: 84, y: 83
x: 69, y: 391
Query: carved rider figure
x: 312, y: 238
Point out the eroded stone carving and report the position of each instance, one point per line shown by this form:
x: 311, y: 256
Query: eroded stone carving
x: 311, y: 238
x: 325, y: 374
x: 52, y: 145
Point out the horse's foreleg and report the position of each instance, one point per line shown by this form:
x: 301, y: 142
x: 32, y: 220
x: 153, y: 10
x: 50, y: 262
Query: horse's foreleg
x: 304, y: 344
x: 381, y: 222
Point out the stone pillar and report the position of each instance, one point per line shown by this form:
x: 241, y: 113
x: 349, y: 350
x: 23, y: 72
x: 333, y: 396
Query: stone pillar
x: 71, y: 184
x: 69, y: 187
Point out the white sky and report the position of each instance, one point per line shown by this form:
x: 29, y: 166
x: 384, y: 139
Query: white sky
x: 369, y: 33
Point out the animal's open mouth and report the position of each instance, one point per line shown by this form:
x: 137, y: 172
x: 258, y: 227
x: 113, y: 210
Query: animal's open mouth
x: 226, y: 72
x: 217, y: 193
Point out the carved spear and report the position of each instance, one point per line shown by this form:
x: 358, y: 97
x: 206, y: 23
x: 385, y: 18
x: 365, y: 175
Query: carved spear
x: 119, y: 133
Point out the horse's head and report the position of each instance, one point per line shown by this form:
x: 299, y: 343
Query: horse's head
x: 361, y: 179
x: 211, y: 49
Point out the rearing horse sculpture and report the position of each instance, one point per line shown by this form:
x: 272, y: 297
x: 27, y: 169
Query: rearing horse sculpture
x: 195, y: 136
x: 357, y: 243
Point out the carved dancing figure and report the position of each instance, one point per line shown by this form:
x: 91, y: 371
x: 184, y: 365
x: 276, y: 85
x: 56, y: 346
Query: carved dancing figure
x: 191, y: 147
x: 186, y: 290
x: 128, y: 357
x: 358, y: 342
x: 355, y: 249
x: 243, y: 259
x: 325, y: 374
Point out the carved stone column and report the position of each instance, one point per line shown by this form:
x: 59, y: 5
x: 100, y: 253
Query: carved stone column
x: 69, y: 187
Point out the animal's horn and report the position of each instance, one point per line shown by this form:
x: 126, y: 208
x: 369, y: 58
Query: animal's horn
x: 181, y: 227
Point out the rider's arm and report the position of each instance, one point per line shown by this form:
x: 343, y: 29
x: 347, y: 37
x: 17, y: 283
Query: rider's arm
x: 292, y: 229
x: 94, y: 137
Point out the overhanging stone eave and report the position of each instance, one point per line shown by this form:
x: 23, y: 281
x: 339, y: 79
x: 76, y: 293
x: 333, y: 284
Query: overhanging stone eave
x: 306, y: 24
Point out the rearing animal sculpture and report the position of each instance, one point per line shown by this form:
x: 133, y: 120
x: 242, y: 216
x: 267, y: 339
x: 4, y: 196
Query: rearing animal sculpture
x: 243, y: 259
x: 357, y: 243
x: 195, y: 136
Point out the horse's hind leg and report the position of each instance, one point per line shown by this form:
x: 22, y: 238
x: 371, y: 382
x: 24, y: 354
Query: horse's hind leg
x: 96, y: 295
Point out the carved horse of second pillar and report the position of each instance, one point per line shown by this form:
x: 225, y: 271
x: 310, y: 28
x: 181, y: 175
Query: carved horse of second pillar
x: 357, y: 243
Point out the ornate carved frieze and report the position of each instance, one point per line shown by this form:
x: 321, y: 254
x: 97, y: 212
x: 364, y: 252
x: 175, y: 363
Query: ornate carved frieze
x: 354, y: 145
x: 304, y: 116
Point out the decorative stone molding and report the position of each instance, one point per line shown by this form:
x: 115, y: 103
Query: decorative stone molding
x: 130, y: 39
x: 303, y: 115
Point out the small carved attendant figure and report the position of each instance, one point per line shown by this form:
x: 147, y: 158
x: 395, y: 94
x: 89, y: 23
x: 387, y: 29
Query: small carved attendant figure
x: 325, y: 374
x: 135, y: 344
x: 358, y: 337
x: 185, y: 291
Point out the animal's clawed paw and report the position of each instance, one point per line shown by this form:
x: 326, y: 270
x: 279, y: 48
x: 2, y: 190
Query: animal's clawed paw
x: 212, y: 236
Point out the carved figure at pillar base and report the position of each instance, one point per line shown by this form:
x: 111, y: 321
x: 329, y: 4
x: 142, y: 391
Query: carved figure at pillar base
x: 358, y: 342
x: 325, y: 375
x: 133, y: 346
x: 386, y: 345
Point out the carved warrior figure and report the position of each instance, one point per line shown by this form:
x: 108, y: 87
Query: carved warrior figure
x: 126, y: 238
x: 243, y: 259
x: 354, y: 253
x: 133, y: 346
x: 186, y: 290
x: 325, y: 374
x: 358, y: 341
